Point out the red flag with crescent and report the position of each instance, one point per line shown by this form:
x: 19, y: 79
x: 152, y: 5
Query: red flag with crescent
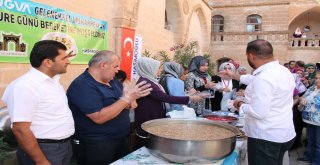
x: 127, y: 50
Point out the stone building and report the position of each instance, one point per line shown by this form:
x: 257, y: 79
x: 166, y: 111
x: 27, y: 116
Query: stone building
x: 236, y: 22
x: 220, y: 27
x: 161, y: 24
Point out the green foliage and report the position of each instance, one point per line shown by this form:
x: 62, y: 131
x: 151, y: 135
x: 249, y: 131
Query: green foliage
x: 147, y: 53
x: 212, y: 65
x: 184, y: 53
x: 164, y: 56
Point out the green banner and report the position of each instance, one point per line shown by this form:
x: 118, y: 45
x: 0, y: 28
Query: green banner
x: 23, y: 23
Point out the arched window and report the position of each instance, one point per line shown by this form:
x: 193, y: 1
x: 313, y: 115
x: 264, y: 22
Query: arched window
x: 217, y: 23
x: 166, y: 22
x: 254, y: 23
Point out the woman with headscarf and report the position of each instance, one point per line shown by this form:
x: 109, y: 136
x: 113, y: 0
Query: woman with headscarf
x: 242, y: 70
x: 310, y: 105
x: 225, y: 88
x: 310, y: 70
x: 297, y: 34
x: 152, y: 106
x: 298, y: 74
x: 172, y: 83
x: 199, y: 79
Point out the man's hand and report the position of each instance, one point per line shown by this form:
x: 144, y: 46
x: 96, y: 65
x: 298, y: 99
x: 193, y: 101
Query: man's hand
x: 28, y: 142
x: 140, y: 90
x: 228, y: 74
x: 143, y: 89
x: 237, y: 104
x: 302, y: 101
x: 133, y: 105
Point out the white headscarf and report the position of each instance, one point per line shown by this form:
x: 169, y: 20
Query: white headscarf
x: 147, y: 68
x: 297, y: 31
x: 233, y: 68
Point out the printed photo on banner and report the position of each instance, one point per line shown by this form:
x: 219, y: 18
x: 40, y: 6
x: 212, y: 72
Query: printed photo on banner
x: 23, y: 23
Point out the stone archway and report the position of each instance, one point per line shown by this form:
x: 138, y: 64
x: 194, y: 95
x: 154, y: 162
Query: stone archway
x: 308, y: 17
x: 12, y: 38
x: 200, y: 29
x: 174, y: 21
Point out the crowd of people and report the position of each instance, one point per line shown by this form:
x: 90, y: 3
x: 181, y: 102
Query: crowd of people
x: 306, y: 108
x: 91, y: 120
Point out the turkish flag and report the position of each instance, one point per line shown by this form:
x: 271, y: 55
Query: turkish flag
x: 127, y: 51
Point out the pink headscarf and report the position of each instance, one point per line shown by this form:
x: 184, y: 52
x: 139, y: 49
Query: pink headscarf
x: 296, y: 69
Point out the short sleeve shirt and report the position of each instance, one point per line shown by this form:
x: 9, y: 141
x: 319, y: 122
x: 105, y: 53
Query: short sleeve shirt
x: 41, y: 100
x: 86, y: 96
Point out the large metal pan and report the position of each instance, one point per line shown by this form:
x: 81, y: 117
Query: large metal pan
x: 183, y: 151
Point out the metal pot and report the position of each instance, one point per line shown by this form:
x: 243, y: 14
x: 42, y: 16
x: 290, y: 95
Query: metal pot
x: 183, y: 151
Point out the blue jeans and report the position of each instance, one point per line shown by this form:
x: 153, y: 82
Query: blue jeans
x: 263, y: 152
x: 313, y: 148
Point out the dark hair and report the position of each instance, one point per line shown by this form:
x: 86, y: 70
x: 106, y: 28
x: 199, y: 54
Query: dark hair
x: 300, y: 64
x: 260, y: 48
x: 121, y: 76
x: 45, y: 49
x: 242, y: 86
x: 291, y: 61
x: 222, y: 60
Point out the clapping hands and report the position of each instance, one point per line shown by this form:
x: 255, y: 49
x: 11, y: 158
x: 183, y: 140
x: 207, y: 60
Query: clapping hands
x: 140, y: 90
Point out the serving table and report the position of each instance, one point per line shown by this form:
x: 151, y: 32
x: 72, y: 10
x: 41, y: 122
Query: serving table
x: 144, y: 156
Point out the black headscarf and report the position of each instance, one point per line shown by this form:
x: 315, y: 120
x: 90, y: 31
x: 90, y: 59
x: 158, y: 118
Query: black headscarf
x: 196, y: 63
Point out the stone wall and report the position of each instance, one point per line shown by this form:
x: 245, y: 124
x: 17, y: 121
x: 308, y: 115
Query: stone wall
x: 279, y: 20
x: 146, y: 17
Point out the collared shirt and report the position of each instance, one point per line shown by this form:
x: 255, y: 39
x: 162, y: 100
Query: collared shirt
x: 87, y: 96
x: 35, y: 97
x: 268, y: 112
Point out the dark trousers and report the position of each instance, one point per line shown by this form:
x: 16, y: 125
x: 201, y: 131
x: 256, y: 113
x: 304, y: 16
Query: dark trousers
x: 56, y: 153
x: 298, y: 125
x: 139, y: 142
x: 263, y: 152
x: 99, y: 152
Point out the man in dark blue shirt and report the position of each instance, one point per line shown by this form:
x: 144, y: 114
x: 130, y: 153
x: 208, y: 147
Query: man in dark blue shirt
x: 99, y: 105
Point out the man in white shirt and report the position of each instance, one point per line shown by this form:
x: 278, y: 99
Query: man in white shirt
x: 268, y: 110
x: 38, y: 107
